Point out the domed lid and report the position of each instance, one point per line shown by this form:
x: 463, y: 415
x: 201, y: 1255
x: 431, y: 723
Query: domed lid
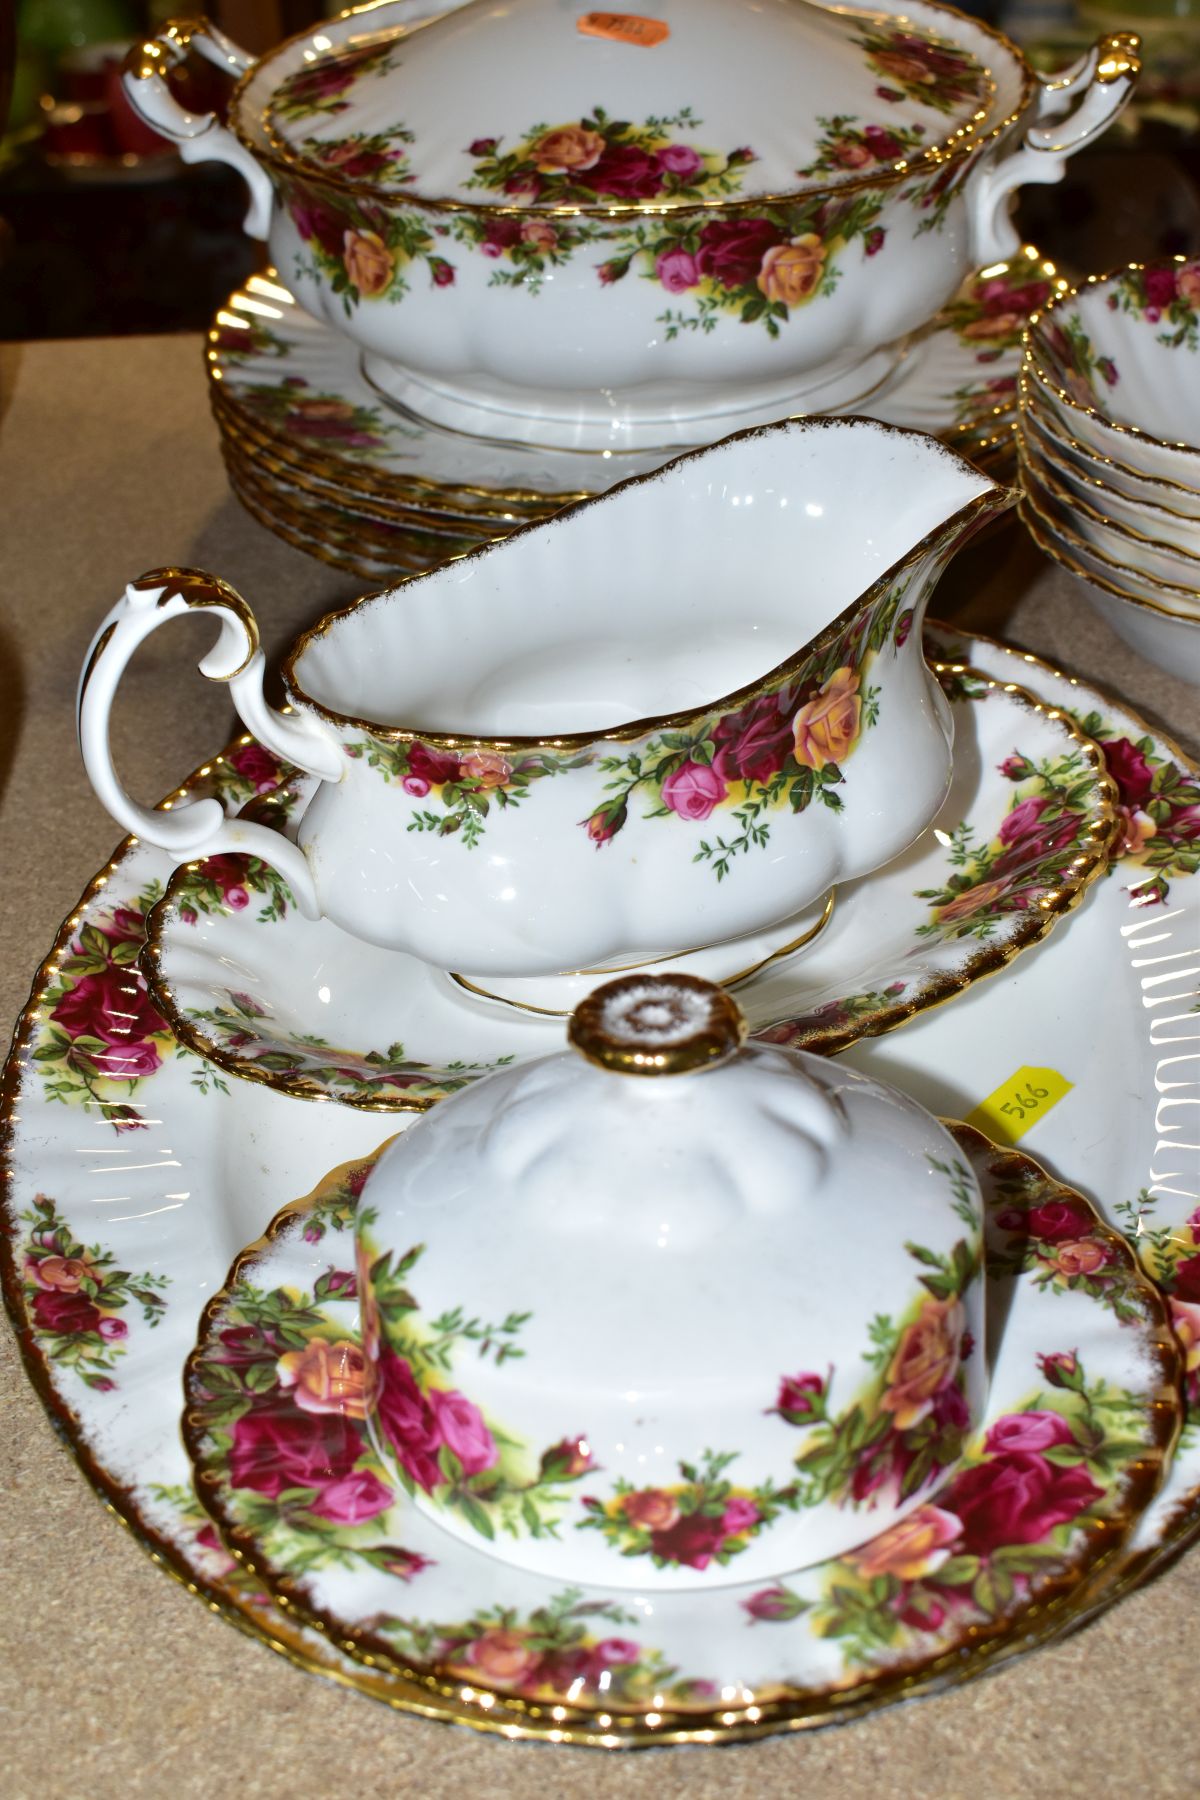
x: 534, y: 104
x: 704, y: 1281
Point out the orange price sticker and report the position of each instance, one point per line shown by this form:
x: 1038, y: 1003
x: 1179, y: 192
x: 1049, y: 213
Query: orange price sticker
x: 1018, y: 1103
x: 624, y: 28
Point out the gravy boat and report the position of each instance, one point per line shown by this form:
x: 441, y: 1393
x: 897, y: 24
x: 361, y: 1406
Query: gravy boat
x: 597, y: 739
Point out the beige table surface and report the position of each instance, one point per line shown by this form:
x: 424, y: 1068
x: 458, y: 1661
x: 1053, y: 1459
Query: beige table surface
x: 114, y: 1682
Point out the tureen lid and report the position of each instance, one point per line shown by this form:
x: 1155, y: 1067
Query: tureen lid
x: 533, y: 104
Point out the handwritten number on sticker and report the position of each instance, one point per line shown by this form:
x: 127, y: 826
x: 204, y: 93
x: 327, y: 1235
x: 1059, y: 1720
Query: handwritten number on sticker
x: 624, y: 28
x: 1018, y: 1103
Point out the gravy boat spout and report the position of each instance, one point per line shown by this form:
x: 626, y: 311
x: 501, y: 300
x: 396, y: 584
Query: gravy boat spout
x: 672, y: 715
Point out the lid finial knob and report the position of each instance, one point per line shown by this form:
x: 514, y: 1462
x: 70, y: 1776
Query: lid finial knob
x: 657, y: 1025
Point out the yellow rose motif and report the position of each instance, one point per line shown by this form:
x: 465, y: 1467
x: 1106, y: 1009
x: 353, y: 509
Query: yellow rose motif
x: 328, y: 1378
x: 1185, y: 1317
x: 925, y: 1361
x: 827, y: 726
x: 567, y: 147
x: 505, y: 1656
x: 487, y: 767
x: 914, y: 1547
x: 790, y: 272
x: 368, y: 263
x: 542, y: 236
x: 1187, y: 283
x: 964, y: 904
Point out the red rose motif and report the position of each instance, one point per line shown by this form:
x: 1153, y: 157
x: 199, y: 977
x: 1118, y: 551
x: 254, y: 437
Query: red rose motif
x: 317, y: 225
x: 500, y: 234
x: 1017, y: 1499
x: 1054, y: 1223
x: 274, y: 1448
x: 625, y: 172
x: 64, y: 1313
x: 407, y: 1421
x: 882, y: 145
x: 433, y: 766
x: 1022, y: 820
x: 1129, y: 769
x: 443, y: 272
x: 731, y: 251
x: 482, y: 146
x: 114, y: 1006
x: 692, y: 1541
x: 756, y: 740
x: 801, y: 1399
x: 1159, y: 286
x: 255, y: 764
x: 1187, y: 1279
x: 872, y: 245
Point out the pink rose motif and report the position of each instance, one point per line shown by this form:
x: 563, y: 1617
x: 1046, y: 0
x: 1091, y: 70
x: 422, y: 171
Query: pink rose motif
x: 238, y: 898
x: 461, y: 1428
x: 1082, y: 1258
x: 1187, y: 1278
x: 486, y: 768
x: 848, y: 154
x: 693, y: 789
x: 740, y: 1515
x: 1017, y: 1499
x: 611, y: 1651
x: 677, y: 271
x: 353, y: 1498
x: 503, y: 1656
x: 1052, y: 1222
x: 540, y: 236
x: 1028, y: 1431
x: 406, y: 1420
x: 113, y: 1329
x: 678, y: 159
x: 1187, y: 282
x: 442, y: 271
x: 1022, y: 820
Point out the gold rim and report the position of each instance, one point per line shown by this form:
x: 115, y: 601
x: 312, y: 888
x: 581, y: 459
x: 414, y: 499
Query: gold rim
x: 1192, y: 596
x: 952, y: 530
x: 332, y: 521
x: 1089, y: 862
x: 1051, y: 545
x: 960, y: 144
x: 726, y: 981
x: 1035, y: 1622
x: 1053, y: 452
x: 256, y: 448
x: 348, y: 564
x: 1048, y: 479
x: 1030, y: 406
x: 1092, y: 412
x: 278, y: 1632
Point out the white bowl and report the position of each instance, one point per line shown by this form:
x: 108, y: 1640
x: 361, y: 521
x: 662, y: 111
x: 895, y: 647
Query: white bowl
x: 1170, y: 576
x: 1117, y: 361
x: 1065, y: 452
x: 1120, y: 529
x: 558, y: 237
x: 736, y: 1297
x: 1170, y: 641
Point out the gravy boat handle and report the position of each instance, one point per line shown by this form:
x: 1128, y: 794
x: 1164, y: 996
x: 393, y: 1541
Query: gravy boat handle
x: 198, y: 829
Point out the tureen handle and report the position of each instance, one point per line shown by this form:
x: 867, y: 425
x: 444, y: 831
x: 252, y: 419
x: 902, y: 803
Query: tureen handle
x: 1099, y: 84
x: 198, y: 828
x: 200, y: 136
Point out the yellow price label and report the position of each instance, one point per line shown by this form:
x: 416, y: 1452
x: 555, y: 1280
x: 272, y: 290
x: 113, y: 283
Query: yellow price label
x: 1018, y: 1103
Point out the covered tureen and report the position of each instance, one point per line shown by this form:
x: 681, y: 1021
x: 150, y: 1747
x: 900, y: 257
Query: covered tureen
x: 600, y: 228
x: 674, y: 1304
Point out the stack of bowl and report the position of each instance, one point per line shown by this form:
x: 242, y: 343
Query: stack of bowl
x: 1109, y: 445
